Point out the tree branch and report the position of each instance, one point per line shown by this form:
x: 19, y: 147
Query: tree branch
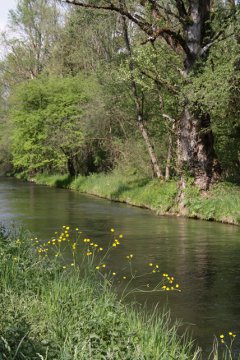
x: 215, y: 40
x: 181, y: 8
x: 171, y: 37
x: 160, y: 82
x: 144, y: 25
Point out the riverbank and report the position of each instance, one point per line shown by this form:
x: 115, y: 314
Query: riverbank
x: 221, y: 203
x: 51, y: 309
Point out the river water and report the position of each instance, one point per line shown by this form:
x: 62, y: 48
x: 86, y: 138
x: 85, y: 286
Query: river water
x: 203, y: 256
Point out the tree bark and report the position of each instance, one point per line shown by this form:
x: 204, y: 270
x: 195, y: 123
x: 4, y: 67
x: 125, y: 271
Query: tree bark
x: 196, y: 155
x: 156, y: 169
x: 195, y: 138
x: 169, y: 155
x: 195, y: 144
x: 139, y: 108
x: 70, y: 166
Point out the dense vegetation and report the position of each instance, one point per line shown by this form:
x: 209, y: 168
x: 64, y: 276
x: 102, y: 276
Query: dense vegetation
x: 135, y: 101
x: 53, y: 310
x: 132, y: 86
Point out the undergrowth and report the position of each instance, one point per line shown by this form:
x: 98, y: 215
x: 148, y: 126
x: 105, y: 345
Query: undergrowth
x: 57, y: 310
x: 53, y: 311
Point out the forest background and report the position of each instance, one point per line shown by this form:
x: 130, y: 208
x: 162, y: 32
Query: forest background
x: 149, y: 89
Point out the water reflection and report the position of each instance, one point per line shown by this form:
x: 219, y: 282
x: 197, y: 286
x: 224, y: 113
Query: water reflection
x: 203, y: 256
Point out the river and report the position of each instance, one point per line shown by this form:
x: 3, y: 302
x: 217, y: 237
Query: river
x: 203, y: 256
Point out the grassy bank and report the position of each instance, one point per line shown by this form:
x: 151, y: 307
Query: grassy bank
x: 221, y: 203
x: 53, y: 310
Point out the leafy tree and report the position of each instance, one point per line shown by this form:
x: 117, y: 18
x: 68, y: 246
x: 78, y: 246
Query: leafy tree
x: 186, y: 27
x: 47, y: 122
x: 33, y: 30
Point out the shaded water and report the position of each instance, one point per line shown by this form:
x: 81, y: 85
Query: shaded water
x: 203, y: 256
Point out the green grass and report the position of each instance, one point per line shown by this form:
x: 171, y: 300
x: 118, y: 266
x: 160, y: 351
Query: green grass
x: 221, y: 203
x: 52, y: 313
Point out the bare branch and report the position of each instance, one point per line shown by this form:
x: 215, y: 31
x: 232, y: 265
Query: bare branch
x: 216, y: 39
x: 171, y: 37
x: 144, y: 25
x: 168, y: 117
x: 181, y: 8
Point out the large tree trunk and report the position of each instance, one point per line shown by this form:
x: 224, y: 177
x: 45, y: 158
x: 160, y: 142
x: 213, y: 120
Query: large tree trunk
x: 196, y: 155
x: 195, y: 139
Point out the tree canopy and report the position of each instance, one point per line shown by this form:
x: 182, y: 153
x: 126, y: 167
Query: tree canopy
x: 151, y: 86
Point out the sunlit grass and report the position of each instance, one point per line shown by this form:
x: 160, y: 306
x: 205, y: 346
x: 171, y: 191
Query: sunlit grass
x: 221, y: 203
x: 51, y: 309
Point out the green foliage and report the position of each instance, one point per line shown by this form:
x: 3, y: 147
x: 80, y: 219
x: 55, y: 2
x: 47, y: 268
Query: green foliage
x: 214, y: 88
x: 51, y: 313
x: 48, y: 121
x: 77, y: 111
x: 221, y: 203
x: 33, y: 30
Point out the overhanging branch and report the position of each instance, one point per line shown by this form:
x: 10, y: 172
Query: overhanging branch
x: 172, y: 38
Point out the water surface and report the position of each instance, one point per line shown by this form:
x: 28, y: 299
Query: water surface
x: 203, y: 256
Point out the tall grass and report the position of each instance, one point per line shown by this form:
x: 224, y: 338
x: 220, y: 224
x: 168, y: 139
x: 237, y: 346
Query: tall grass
x: 55, y: 311
x: 48, y: 312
